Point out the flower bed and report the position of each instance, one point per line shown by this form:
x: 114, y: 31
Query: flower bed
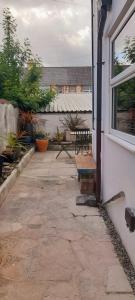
x: 14, y: 173
x: 8, y: 167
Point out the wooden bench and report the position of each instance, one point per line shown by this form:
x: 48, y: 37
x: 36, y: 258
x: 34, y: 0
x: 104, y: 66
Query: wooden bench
x: 86, y: 168
x: 85, y: 164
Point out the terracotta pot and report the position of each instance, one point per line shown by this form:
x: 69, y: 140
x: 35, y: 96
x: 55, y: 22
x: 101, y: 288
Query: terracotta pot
x: 41, y: 145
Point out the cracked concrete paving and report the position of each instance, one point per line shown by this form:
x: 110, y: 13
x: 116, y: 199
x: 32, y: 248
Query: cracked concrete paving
x: 50, y: 249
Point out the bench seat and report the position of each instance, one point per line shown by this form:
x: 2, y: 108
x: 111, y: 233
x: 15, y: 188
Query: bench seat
x: 85, y: 164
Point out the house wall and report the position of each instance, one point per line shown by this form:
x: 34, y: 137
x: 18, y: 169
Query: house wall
x: 8, y: 122
x: 50, y: 121
x: 118, y: 156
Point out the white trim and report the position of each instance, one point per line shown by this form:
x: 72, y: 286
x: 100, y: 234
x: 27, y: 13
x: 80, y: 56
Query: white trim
x: 123, y: 136
x: 111, y: 29
x: 122, y: 143
x: 123, y: 76
x: 124, y: 21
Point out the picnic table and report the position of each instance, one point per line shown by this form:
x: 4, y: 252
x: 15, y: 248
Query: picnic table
x: 63, y: 147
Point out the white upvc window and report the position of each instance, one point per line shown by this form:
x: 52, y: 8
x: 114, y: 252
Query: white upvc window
x: 122, y: 79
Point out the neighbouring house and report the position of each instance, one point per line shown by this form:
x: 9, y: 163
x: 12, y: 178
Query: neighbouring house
x: 66, y: 79
x: 113, y: 52
x: 62, y: 105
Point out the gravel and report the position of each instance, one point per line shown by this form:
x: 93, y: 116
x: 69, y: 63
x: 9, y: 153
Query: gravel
x: 119, y: 248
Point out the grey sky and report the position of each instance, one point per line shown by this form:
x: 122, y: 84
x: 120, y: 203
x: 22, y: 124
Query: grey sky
x: 59, y: 30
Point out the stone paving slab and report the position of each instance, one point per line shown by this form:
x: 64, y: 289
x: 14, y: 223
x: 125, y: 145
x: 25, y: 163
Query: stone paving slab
x: 117, y: 281
x: 117, y: 297
x: 50, y: 249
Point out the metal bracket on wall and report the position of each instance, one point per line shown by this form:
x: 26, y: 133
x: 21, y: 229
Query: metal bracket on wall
x: 118, y: 196
x: 101, y: 63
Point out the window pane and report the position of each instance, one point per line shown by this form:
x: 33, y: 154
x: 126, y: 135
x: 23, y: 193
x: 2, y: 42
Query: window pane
x: 72, y: 89
x: 124, y: 107
x: 124, y: 48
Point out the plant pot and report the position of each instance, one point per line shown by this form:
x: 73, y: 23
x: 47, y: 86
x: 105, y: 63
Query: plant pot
x: 41, y: 145
x: 29, y: 128
x: 26, y: 139
x: 69, y: 137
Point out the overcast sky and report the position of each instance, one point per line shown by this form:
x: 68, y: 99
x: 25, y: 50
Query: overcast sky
x: 59, y: 30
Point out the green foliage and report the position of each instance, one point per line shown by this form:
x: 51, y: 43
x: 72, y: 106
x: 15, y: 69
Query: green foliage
x: 70, y: 122
x: 125, y: 92
x: 125, y: 95
x: 20, y: 71
x: 117, y: 66
x: 59, y: 136
x: 40, y: 134
x: 128, y: 55
x: 129, y: 50
x: 12, y: 141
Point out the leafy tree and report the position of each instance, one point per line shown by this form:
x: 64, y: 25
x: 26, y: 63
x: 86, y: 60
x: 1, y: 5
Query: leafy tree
x: 117, y: 66
x: 129, y: 50
x: 20, y: 71
x: 126, y: 95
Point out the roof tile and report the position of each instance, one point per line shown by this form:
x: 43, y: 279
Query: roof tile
x: 66, y: 76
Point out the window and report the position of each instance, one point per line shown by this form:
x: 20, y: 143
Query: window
x: 59, y: 88
x: 123, y: 47
x: 72, y: 89
x: 124, y: 107
x: 86, y: 89
x: 123, y: 80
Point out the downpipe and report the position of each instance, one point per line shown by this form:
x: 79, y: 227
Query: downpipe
x: 102, y: 20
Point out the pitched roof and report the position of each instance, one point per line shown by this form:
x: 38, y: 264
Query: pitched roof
x: 70, y: 103
x: 66, y: 76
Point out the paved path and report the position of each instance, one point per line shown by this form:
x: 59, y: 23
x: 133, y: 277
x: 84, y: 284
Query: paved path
x: 50, y: 249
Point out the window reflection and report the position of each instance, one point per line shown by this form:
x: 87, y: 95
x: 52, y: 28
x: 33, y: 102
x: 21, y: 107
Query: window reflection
x: 124, y: 107
x: 124, y: 47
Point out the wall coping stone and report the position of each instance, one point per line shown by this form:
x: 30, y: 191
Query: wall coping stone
x: 9, y: 182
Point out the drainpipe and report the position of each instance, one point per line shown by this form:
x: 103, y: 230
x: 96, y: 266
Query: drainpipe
x: 92, y: 53
x: 102, y: 19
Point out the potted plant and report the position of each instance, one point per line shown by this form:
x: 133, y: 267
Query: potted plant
x: 59, y: 135
x: 26, y: 125
x: 70, y: 123
x: 13, y: 148
x: 41, y: 141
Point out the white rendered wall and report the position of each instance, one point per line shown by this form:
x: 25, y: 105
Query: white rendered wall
x: 118, y: 163
x: 53, y: 120
x: 8, y: 122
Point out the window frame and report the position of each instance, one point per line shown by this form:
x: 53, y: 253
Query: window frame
x: 125, y: 75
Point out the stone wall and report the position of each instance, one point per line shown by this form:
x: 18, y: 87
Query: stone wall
x: 8, y: 122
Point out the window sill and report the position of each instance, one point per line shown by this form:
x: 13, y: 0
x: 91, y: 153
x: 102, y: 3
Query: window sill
x: 122, y: 143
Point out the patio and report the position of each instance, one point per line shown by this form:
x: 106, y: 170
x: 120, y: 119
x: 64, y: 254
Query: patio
x: 51, y: 249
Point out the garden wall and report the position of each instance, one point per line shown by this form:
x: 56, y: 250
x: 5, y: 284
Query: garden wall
x: 8, y: 122
x: 52, y: 120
